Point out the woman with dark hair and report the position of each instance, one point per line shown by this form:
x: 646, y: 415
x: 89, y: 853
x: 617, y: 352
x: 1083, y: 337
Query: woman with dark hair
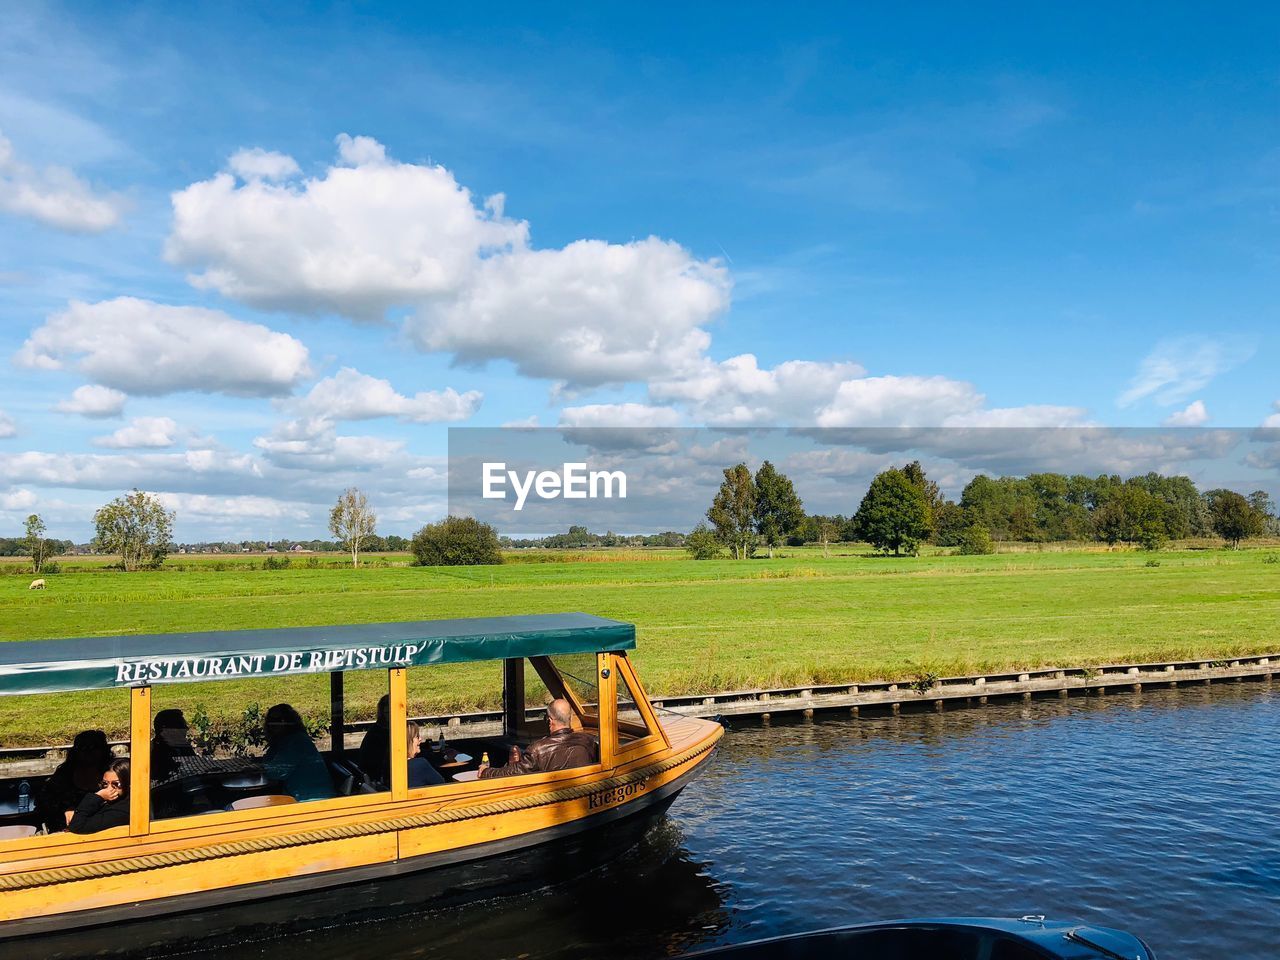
x: 292, y: 758
x: 78, y: 776
x: 107, y: 808
x: 375, y: 749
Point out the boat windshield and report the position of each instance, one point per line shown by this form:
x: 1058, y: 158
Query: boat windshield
x: 631, y: 722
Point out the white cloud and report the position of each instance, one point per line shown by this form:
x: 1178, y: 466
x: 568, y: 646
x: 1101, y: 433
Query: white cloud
x: 352, y: 395
x: 591, y: 313
x: 1271, y: 421
x: 7, y: 427
x: 1193, y: 415
x: 202, y: 507
x: 259, y: 164
x: 373, y: 234
x: 1179, y: 367
x: 739, y: 391
x: 1031, y: 415
x: 891, y: 401
x: 151, y: 349
x: 54, y: 195
x: 848, y: 465
x: 357, y: 241
x: 619, y: 415
x: 804, y: 393
x: 141, y: 432
x: 313, y: 444
x: 17, y: 500
x: 195, y: 470
x: 913, y: 401
x: 360, y: 151
x: 92, y: 400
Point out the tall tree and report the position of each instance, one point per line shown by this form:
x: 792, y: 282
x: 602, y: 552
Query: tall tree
x: 35, y: 542
x: 733, y: 511
x: 352, y: 521
x: 932, y: 493
x: 1260, y: 500
x: 1234, y: 518
x: 827, y: 530
x: 779, y: 511
x: 137, y: 527
x: 893, y: 515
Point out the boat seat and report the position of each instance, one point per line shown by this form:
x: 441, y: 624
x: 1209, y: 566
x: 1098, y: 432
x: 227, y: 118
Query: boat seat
x: 348, y: 778
x: 17, y: 831
x: 254, y: 803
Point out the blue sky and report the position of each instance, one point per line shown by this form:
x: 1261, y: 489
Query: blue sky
x: 952, y: 217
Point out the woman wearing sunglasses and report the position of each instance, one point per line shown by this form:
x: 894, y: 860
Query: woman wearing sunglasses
x: 108, y: 807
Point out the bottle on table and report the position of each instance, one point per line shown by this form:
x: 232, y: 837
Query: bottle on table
x: 24, y: 797
x: 484, y: 759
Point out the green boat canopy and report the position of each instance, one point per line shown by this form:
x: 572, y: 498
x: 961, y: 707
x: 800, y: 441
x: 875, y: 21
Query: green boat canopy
x: 95, y: 663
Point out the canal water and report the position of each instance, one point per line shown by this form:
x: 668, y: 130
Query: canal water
x: 1156, y: 812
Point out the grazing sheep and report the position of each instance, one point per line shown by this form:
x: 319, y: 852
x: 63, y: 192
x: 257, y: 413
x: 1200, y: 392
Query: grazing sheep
x: 37, y: 584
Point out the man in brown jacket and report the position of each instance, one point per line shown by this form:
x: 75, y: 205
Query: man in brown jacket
x: 562, y: 749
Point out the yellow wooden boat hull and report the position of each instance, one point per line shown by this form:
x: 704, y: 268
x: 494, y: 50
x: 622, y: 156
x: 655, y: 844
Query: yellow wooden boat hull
x: 193, y: 863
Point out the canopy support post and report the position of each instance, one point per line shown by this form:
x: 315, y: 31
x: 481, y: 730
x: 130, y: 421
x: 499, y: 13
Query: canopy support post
x: 608, y: 673
x: 399, y: 689
x: 512, y: 696
x: 337, y: 717
x: 139, y: 761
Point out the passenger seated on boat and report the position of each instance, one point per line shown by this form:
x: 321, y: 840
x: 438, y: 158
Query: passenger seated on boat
x: 171, y: 741
x: 292, y: 758
x: 421, y: 772
x: 109, y: 806
x: 562, y: 749
x: 375, y: 749
x: 76, y: 777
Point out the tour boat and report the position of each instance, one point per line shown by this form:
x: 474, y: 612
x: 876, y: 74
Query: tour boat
x: 251, y: 841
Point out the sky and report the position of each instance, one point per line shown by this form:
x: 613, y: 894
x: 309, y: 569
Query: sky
x: 251, y: 256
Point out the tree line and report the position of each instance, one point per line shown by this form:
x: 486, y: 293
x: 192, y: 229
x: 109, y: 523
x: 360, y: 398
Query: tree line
x: 138, y: 528
x: 903, y: 509
x: 580, y: 537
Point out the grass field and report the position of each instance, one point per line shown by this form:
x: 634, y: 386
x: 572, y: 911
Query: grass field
x: 703, y: 626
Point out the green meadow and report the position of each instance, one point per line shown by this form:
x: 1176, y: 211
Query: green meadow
x: 703, y: 625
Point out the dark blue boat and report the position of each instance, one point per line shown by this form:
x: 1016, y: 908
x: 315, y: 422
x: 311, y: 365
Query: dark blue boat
x: 963, y: 938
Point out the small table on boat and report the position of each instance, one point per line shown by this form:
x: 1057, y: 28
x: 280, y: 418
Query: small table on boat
x: 198, y: 781
x: 459, y: 760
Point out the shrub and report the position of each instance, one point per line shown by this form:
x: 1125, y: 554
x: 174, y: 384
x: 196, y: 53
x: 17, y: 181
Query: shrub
x: 702, y: 543
x: 924, y: 681
x: 250, y: 734
x: 456, y: 541
x: 1152, y: 536
x: 276, y: 563
x: 975, y: 540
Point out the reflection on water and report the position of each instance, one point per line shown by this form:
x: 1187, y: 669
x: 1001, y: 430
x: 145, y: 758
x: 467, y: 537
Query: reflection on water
x: 590, y: 916
x: 1156, y: 813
